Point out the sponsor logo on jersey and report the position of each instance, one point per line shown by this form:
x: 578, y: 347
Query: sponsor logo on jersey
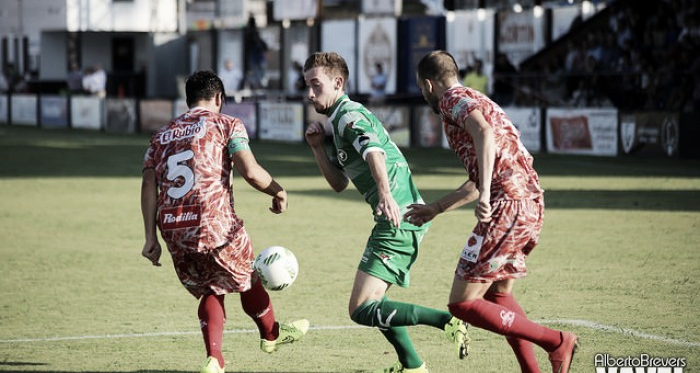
x: 644, y: 363
x: 180, y: 217
x: 197, y: 130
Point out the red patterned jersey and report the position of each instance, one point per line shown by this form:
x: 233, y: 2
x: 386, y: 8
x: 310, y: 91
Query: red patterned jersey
x: 513, y: 176
x: 191, y: 159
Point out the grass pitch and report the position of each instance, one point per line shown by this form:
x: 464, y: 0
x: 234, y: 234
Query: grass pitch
x: 618, y: 263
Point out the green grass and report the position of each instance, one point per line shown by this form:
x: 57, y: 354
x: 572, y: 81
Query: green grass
x: 620, y: 249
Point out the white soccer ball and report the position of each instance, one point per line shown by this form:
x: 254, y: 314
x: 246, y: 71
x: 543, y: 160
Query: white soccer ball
x: 277, y: 267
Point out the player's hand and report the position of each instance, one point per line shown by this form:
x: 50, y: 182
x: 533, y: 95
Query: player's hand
x: 388, y: 207
x: 279, y: 203
x: 419, y: 214
x: 315, y: 134
x: 483, y: 208
x: 152, y: 251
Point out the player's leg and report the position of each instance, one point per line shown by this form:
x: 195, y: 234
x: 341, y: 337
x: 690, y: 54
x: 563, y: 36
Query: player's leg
x: 467, y: 303
x: 388, y: 258
x: 501, y: 294
x: 367, y: 292
x: 212, y: 316
x: 256, y: 304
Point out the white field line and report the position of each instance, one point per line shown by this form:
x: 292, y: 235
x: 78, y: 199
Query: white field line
x: 580, y: 323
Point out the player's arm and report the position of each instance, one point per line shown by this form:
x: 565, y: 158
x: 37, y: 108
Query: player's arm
x: 387, y: 205
x: 485, y: 147
x: 466, y: 193
x: 149, y: 199
x: 419, y: 214
x: 315, y: 136
x: 255, y: 175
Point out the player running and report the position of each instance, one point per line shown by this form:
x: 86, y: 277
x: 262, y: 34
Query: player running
x: 187, y: 192
x: 509, y: 210
x: 367, y: 156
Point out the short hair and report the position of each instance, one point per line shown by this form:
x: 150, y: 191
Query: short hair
x: 203, y: 85
x: 438, y: 65
x: 332, y: 62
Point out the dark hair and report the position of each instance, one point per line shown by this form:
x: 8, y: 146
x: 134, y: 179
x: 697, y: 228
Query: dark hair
x: 332, y: 63
x: 437, y: 65
x: 203, y: 85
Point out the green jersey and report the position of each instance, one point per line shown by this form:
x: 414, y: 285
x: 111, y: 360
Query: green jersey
x: 356, y: 132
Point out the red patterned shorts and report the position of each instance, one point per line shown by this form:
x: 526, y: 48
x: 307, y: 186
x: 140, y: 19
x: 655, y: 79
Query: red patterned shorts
x: 223, y: 270
x: 497, y: 250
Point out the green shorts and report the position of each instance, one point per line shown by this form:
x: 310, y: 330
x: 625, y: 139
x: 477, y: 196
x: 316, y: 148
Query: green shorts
x: 390, y: 253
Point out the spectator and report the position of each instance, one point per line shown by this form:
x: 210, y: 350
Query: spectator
x: 4, y: 86
x: 296, y: 81
x: 476, y: 79
x: 74, y: 79
x: 255, y: 50
x: 95, y: 81
x: 378, y: 81
x: 231, y: 77
x: 503, y: 80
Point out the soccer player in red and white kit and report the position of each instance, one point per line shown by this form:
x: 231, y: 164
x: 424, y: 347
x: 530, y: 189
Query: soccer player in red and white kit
x: 509, y: 210
x: 187, y: 193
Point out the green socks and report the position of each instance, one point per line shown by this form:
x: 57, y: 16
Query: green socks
x: 385, y: 313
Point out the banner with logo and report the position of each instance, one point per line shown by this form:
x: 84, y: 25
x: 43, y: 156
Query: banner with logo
x: 86, y: 112
x: 528, y: 122
x: 54, y: 111
x: 582, y: 131
x: 520, y: 35
x: 247, y: 113
x: 396, y: 120
x: 24, y: 110
x: 419, y: 36
x: 154, y: 114
x: 121, y: 115
x: 377, y: 50
x: 282, y: 121
x: 655, y: 133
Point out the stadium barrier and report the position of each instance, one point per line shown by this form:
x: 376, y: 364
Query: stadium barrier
x: 580, y: 131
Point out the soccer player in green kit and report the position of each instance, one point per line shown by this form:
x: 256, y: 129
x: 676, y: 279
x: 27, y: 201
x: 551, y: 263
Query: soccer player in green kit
x: 375, y: 165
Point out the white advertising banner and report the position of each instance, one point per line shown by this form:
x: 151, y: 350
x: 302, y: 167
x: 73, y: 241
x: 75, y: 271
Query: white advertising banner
x: 377, y: 46
x: 520, y: 35
x: 24, y: 111
x: 382, y: 7
x: 339, y: 36
x: 294, y: 9
x: 527, y: 121
x: 86, y: 112
x: 582, y: 131
x: 282, y: 121
x: 562, y: 17
x: 121, y: 115
x: 470, y: 36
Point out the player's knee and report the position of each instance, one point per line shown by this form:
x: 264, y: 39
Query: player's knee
x: 364, y: 313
